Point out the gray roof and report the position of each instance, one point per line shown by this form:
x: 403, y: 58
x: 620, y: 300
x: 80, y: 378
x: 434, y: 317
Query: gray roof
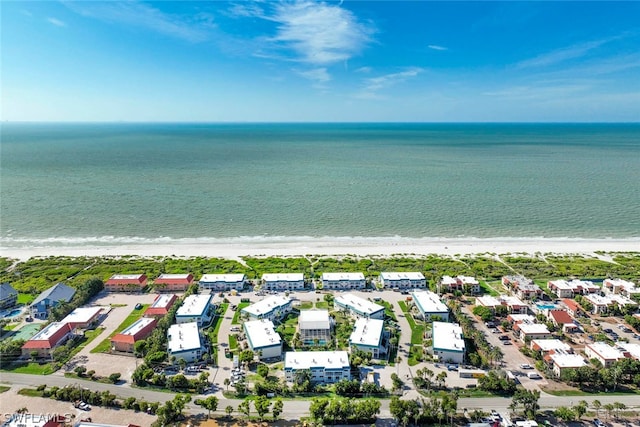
x: 7, y: 290
x: 57, y: 292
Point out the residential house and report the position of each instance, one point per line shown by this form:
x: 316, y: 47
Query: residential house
x: 8, y: 296
x: 42, y: 305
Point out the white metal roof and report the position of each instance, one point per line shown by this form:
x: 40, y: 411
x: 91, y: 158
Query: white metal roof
x: 267, y: 305
x: 126, y: 276
x: 568, y: 360
x: 606, y: 351
x: 173, y: 276
x: 511, y: 300
x: 386, y: 275
x: 314, y: 319
x: 81, y: 315
x: 342, y: 276
x: 488, y: 301
x: 552, y: 344
x: 447, y: 336
x: 184, y: 337
x: 50, y: 330
x: 316, y: 359
x: 227, y: 278
x: 632, y: 348
x: 194, y: 305
x: 360, y: 304
x: 283, y: 277
x: 533, y: 328
x: 429, y: 302
x: 162, y: 301
x: 367, y: 332
x: 261, y: 333
x: 524, y: 318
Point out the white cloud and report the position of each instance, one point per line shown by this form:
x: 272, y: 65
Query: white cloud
x: 561, y: 55
x: 363, y: 70
x: 319, y: 76
x: 437, y: 47
x: 56, y: 22
x: 318, y: 33
x: 137, y: 14
x: 375, y: 84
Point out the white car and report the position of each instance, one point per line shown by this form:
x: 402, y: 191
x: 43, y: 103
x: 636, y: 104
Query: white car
x: 526, y: 366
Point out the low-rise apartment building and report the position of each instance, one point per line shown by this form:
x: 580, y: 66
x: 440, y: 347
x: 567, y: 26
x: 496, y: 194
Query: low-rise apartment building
x: 603, y: 353
x: 126, y: 283
x: 195, y: 308
x: 84, y: 317
x: 620, y: 286
x: 281, y: 282
x: 531, y: 331
x: 139, y: 330
x: 185, y: 342
x: 448, y: 342
x: 430, y: 305
x: 513, y: 304
x: 263, y: 339
x: 326, y: 367
x: 314, y: 327
x: 571, y: 288
x: 343, y: 281
x: 460, y: 283
x: 222, y: 282
x: 273, y: 308
x: 522, y: 287
x: 173, y: 282
x: 546, y: 346
x: 561, y: 361
x: 46, y: 340
x: 161, y: 305
x: 601, y: 304
x: 369, y: 336
x: 358, y: 307
x: 411, y: 280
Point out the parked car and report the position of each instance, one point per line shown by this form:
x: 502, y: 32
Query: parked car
x: 525, y: 366
x: 598, y: 423
x: 503, y: 338
x: 506, y: 342
x: 607, y: 331
x: 138, y: 306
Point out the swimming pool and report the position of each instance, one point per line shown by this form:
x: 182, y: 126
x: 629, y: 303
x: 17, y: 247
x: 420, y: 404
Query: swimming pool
x: 546, y: 306
x: 13, y: 313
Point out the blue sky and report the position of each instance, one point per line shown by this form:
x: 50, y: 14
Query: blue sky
x: 320, y: 61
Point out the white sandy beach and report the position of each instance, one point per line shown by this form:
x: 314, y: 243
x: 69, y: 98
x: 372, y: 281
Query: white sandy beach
x: 330, y: 246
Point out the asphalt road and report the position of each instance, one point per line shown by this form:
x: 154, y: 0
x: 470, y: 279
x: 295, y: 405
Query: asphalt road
x: 294, y: 409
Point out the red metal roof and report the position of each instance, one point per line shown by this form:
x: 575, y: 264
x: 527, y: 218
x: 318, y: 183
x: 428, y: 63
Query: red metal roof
x: 115, y: 280
x: 561, y: 316
x: 187, y: 280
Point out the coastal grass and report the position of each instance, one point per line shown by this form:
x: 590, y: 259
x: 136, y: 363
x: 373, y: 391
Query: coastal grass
x: 31, y: 392
x: 236, y: 316
x: 32, y: 368
x: 4, y: 388
x: 305, y: 305
x: 388, y: 310
x: 105, y: 345
x: 490, y: 288
x: 25, y: 299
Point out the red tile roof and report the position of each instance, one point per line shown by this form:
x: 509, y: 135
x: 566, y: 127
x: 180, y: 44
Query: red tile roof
x: 561, y: 317
x: 571, y: 304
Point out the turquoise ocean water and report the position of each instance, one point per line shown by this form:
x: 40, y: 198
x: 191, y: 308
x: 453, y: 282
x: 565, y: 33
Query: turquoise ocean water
x: 92, y: 183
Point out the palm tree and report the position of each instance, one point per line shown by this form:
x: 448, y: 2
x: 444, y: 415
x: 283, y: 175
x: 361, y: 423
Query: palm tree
x: 609, y: 408
x: 618, y: 407
x: 226, y: 383
x: 596, y: 405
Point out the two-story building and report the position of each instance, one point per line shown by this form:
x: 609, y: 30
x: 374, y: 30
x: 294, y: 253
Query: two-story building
x: 173, y: 282
x: 222, y: 282
x: 448, y: 342
x: 42, y: 305
x: 523, y: 287
x: 281, y: 282
x: 603, y: 353
x: 571, y: 288
x: 325, y: 367
x: 263, y: 339
x: 126, y: 283
x: 161, y: 305
x: 314, y: 327
x: 358, y: 307
x: 196, y: 308
x: 429, y: 305
x: 273, y: 308
x: 84, y: 317
x: 139, y: 330
x: 46, y: 340
x: 8, y: 296
x: 185, y: 342
x: 410, y: 280
x: 343, y: 281
x: 460, y: 283
x: 369, y: 336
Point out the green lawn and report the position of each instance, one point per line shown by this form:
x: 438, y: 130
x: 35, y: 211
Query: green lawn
x: 233, y: 342
x: 4, y: 388
x: 305, y: 305
x: 105, y: 345
x: 34, y: 368
x: 236, y: 317
x: 25, y: 298
x: 417, y: 331
x: 490, y: 287
x: 213, y: 331
x: 388, y: 310
x: 323, y: 305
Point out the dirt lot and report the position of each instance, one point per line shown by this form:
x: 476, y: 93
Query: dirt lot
x: 11, y: 401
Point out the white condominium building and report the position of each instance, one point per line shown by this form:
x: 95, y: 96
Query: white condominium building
x: 185, y: 342
x: 314, y: 327
x: 325, y: 366
x: 283, y: 281
x: 368, y: 336
x: 222, y: 282
x: 263, y: 339
x: 429, y: 304
x: 272, y: 308
x: 448, y: 342
x: 358, y: 307
x: 195, y: 308
x: 335, y: 281
x: 392, y: 280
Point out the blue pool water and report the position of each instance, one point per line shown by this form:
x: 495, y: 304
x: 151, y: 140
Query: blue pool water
x: 13, y: 313
x: 546, y: 306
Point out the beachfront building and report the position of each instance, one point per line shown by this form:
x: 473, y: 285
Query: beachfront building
x: 185, y: 342
x: 602, y: 304
x: 571, y: 288
x: 391, y: 280
x: 8, y: 296
x: 343, y: 281
x: 42, y: 305
x: 139, y: 330
x: 271, y: 308
x: 173, y: 282
x: 161, y: 305
x: 283, y: 282
x: 512, y: 303
x: 369, y: 336
x: 314, y: 327
x: 465, y: 284
x: 522, y: 287
x: 603, y: 353
x: 560, y: 361
x: 429, y: 305
x: 358, y: 307
x: 222, y: 282
x: 126, y: 283
x: 195, y: 308
x: 326, y: 367
x: 528, y: 331
x: 263, y: 339
x: 619, y: 286
x: 448, y: 342
x: 84, y: 317
x: 546, y: 346
x: 45, y: 341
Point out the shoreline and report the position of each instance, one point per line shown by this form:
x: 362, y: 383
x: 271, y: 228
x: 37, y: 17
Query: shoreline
x: 235, y: 248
